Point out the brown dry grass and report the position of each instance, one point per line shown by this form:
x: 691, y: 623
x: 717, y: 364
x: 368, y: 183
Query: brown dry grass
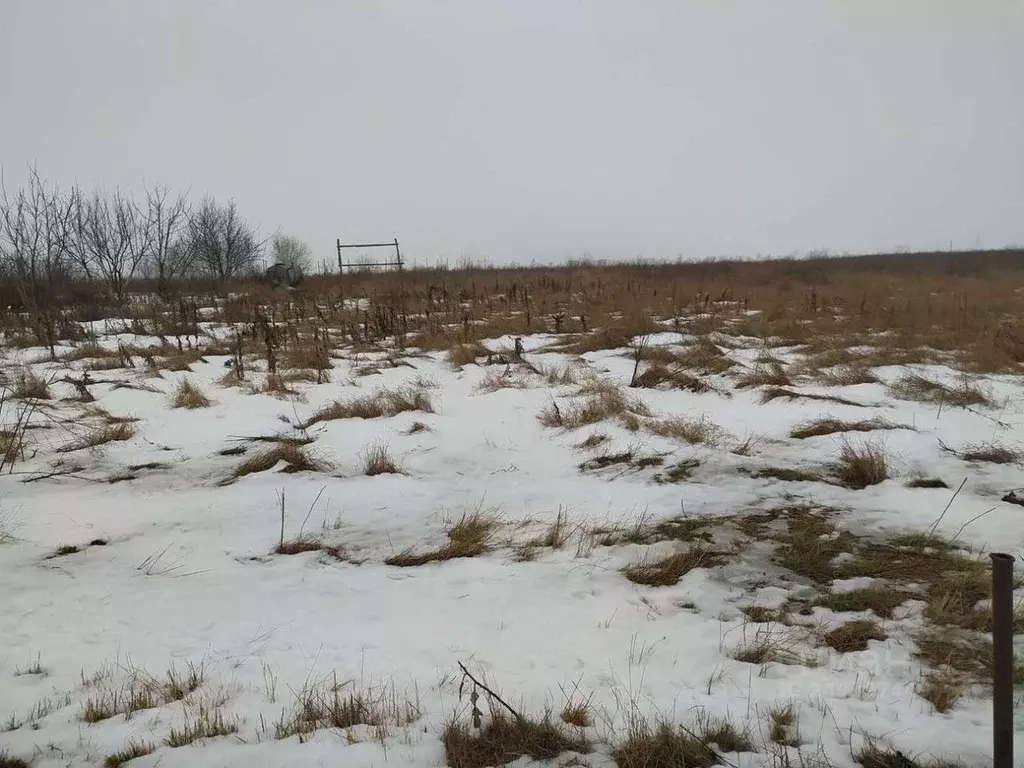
x: 873, y: 756
x: 602, y: 401
x: 695, y: 431
x: 296, y: 458
x: 882, y: 600
x: 789, y: 475
x: 942, y: 689
x: 377, y: 460
x: 854, y: 635
x: 782, y: 393
x: 662, y: 746
x: 829, y: 426
x: 98, y: 436
x: 770, y: 375
x: 505, y: 739
x: 383, y: 403
x: 471, y: 536
x: 29, y: 386
x: 188, y: 395
x: 465, y: 354
x: 860, y: 466
x: 964, y: 392
x: 659, y: 375
x: 668, y: 570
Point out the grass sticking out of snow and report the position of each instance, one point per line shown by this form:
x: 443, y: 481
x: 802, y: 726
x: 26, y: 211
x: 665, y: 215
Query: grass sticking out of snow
x: 882, y: 600
x: 963, y: 393
x: 860, y: 466
x: 663, y: 745
x: 296, y: 458
x: 695, y: 431
x: 383, y: 403
x: 131, y: 750
x: 668, y: 570
x: 378, y: 461
x: 782, y: 393
x: 469, y: 537
x: 98, y: 436
x: 829, y: 426
x: 505, y: 739
x: 188, y: 395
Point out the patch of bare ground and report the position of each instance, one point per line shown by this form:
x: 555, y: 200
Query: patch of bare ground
x: 504, y: 739
x: 962, y: 393
x: 669, y: 569
x: 830, y: 426
x: 679, y: 472
x: 809, y: 543
x: 882, y: 600
x: 383, y: 403
x: 854, y: 635
x: 470, y: 536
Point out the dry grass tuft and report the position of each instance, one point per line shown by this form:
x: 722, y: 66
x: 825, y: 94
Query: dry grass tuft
x: 579, y: 713
x: 942, y: 689
x: 699, y: 431
x: 927, y: 482
x: 854, y: 635
x: 881, y: 600
x: 829, y: 426
x: 847, y: 375
x: 295, y: 457
x: 873, y: 756
x: 470, y: 537
x: 770, y: 375
x: 140, y: 691
x: 504, y: 740
x: 6, y: 761
x: 663, y: 746
x: 31, y: 387
x: 789, y: 475
x: 781, y: 393
x: 911, y: 386
x: 595, y: 439
x: 132, y: 750
x: 190, y: 396
x: 378, y: 461
x: 994, y: 453
x: 783, y: 727
x: 203, y: 721
x: 100, y: 436
x: 766, y: 647
x: 723, y: 734
x: 384, y: 402
x: 859, y: 467
x: 666, y: 571
x: 465, y: 354
x: 759, y: 614
x: 299, y: 545
x: 657, y: 375
x: 328, y: 703
x: 603, y: 401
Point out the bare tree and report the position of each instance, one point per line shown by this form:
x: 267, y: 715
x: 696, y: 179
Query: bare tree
x: 223, y: 243
x: 113, y: 240
x: 171, y: 254
x: 36, y: 237
x: 290, y: 252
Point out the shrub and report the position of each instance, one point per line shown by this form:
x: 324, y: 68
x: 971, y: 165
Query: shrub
x: 189, y: 396
x: 859, y: 467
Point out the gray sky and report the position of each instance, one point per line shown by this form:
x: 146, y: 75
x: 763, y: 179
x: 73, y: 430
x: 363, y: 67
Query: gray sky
x: 539, y: 129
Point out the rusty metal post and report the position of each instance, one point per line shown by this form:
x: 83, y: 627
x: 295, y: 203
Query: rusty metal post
x: 1002, y: 660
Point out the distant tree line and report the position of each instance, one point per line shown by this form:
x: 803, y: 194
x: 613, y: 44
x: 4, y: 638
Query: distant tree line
x: 51, y: 238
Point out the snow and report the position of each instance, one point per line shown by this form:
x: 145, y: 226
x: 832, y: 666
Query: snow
x: 187, y: 573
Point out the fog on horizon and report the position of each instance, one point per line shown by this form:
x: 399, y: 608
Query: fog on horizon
x: 539, y: 130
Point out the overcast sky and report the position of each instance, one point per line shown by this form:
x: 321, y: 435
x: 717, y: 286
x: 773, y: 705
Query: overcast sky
x: 539, y: 129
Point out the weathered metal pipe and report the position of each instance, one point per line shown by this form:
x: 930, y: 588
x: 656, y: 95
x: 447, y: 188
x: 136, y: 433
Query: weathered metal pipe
x: 1002, y: 660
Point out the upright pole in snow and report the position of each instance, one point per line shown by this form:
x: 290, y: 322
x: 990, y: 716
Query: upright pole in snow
x: 1002, y: 660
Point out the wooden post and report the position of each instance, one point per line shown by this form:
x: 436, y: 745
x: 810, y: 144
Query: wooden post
x: 398, y: 255
x: 1002, y: 662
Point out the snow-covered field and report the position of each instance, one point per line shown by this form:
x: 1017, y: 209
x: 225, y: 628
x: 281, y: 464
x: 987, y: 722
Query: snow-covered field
x: 184, y: 572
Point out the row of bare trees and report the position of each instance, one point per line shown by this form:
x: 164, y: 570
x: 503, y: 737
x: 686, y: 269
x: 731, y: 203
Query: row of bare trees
x: 48, y: 235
